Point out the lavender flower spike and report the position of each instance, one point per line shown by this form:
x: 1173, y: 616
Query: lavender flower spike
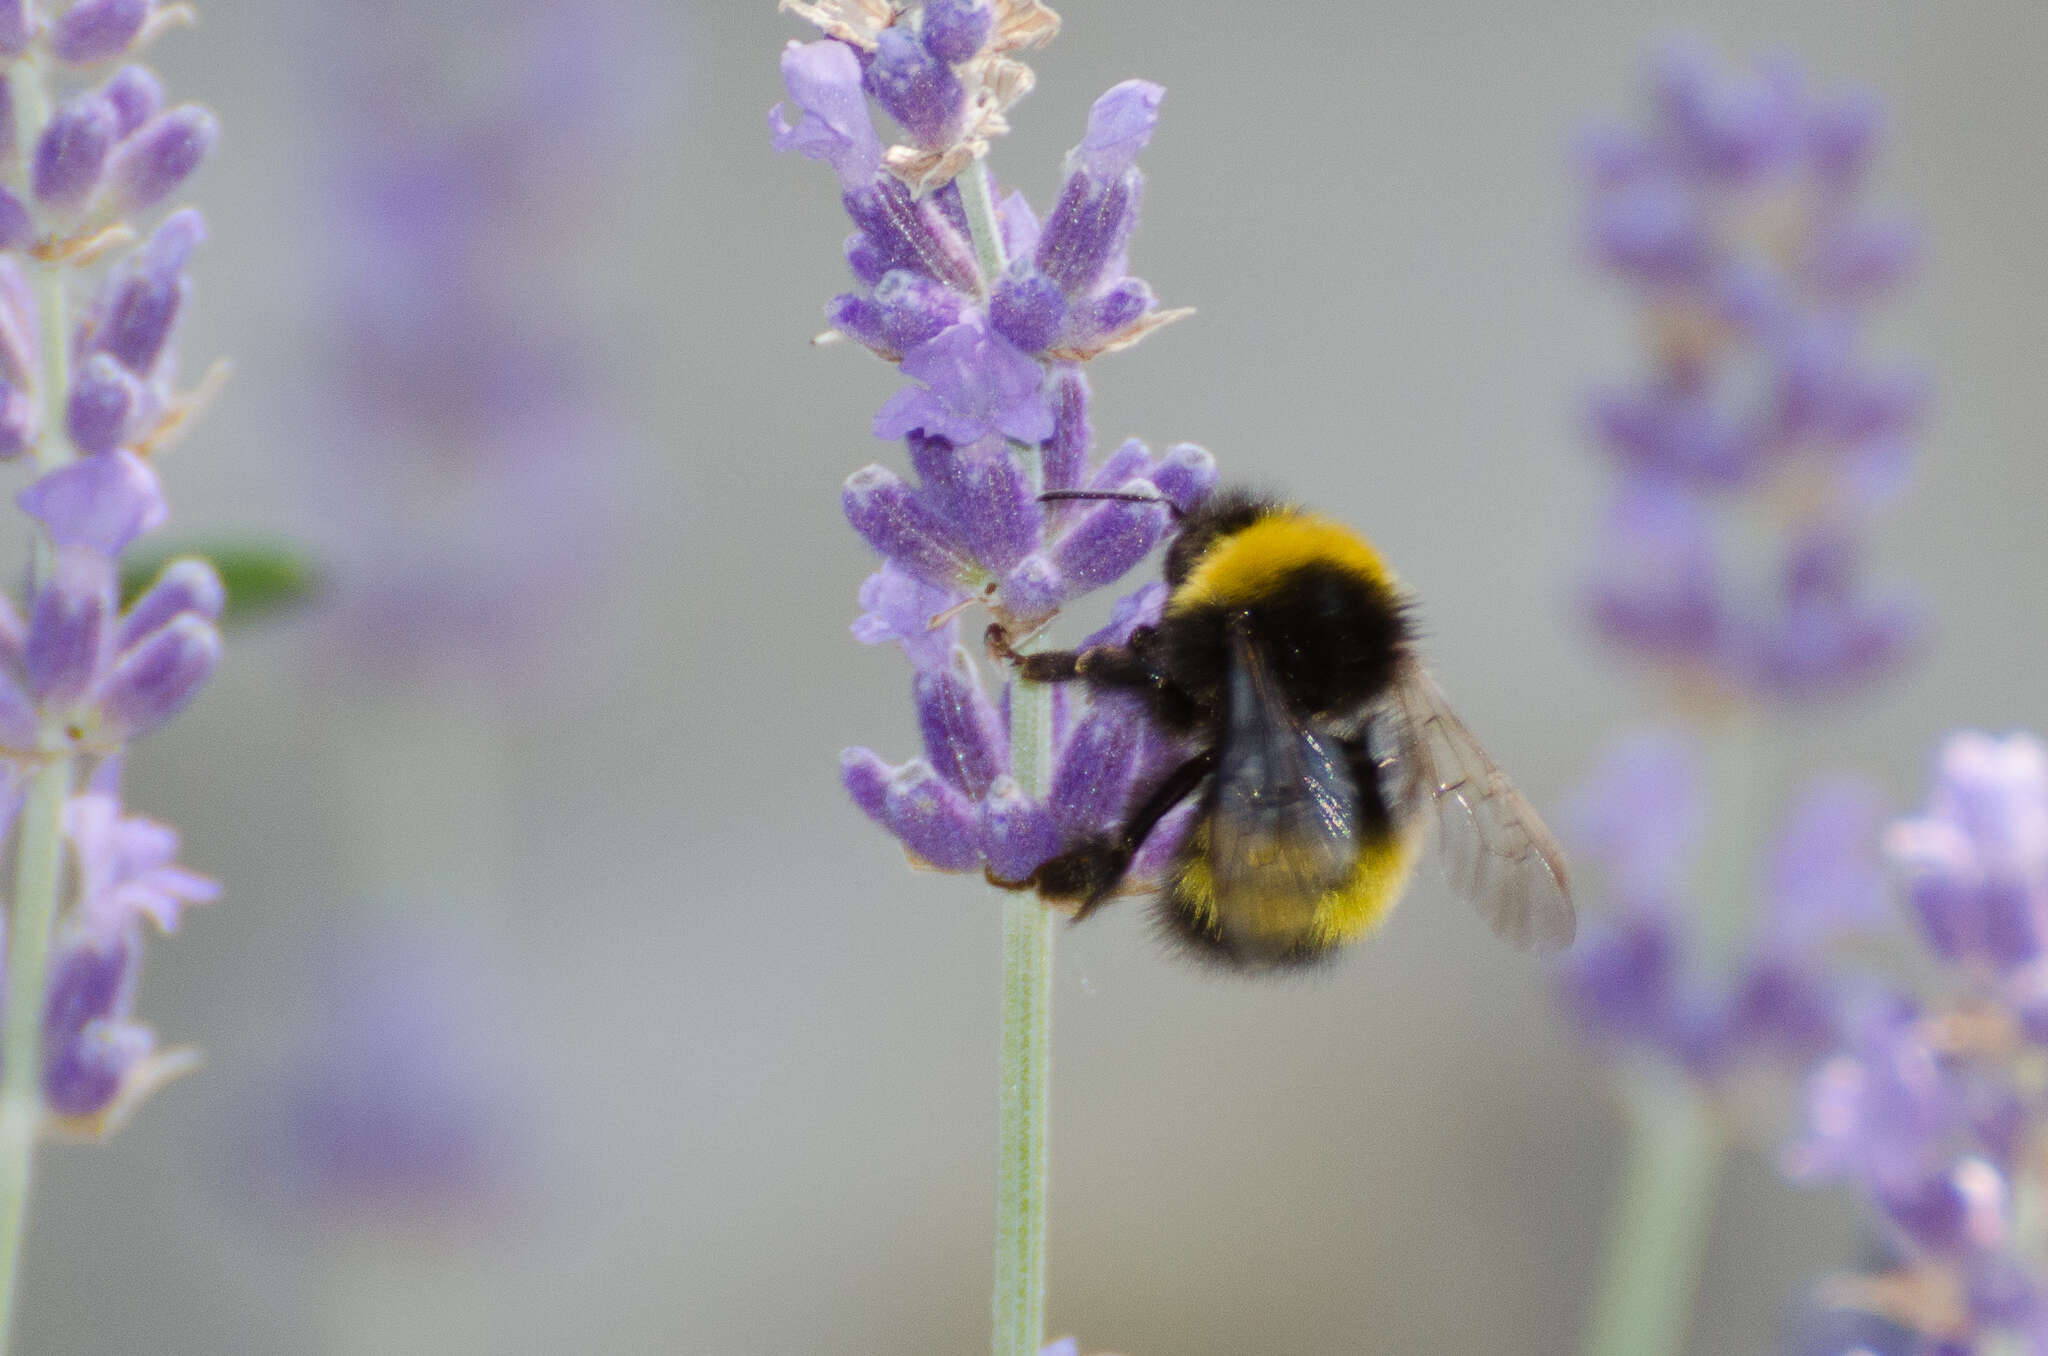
x: 989, y: 316
x: 86, y: 393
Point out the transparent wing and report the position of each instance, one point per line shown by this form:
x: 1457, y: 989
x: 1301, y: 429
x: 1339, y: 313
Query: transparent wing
x: 1283, y: 821
x: 1493, y: 845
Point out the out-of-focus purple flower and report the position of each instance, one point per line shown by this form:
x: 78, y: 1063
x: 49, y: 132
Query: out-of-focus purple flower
x: 95, y: 30
x: 392, y: 1104
x: 467, y: 474
x: 100, y: 504
x: 1736, y: 214
x: 127, y: 867
x: 824, y: 80
x: 1638, y: 978
x: 1640, y: 813
x: 72, y: 152
x: 82, y: 670
x: 152, y: 162
x: 1976, y: 864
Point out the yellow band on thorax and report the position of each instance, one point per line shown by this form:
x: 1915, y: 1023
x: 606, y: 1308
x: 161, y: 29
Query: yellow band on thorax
x: 1247, y: 564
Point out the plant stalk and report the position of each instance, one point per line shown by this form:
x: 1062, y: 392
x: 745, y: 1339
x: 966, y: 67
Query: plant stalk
x: 38, y: 874
x: 1018, y: 1307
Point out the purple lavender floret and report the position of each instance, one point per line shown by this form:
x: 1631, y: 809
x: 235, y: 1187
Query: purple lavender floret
x: 1736, y: 214
x: 95, y: 30
x: 918, y: 89
x: 1975, y: 865
x: 1930, y: 1105
x: 958, y: 809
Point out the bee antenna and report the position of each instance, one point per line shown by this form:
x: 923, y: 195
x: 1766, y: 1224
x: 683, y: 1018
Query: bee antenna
x: 1120, y: 496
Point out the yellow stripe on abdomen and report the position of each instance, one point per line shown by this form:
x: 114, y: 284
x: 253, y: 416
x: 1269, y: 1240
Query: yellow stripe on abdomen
x: 1285, y: 921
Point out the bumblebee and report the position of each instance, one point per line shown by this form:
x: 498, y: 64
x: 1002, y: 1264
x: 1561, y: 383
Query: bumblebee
x: 1322, y: 752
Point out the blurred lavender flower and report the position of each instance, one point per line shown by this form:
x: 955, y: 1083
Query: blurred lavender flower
x: 996, y: 360
x: 1752, y: 458
x: 1737, y: 217
x: 1637, y: 980
x: 1932, y: 1108
x: 389, y: 1108
x: 470, y: 471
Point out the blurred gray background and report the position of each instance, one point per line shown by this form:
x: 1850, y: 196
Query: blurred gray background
x: 749, y: 1056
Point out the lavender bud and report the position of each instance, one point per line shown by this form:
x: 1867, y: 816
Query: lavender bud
x: 1131, y: 461
x: 858, y: 319
x: 139, y: 317
x: 71, y: 627
x: 908, y: 232
x: 914, y: 309
x: 931, y: 818
x: 136, y: 95
x: 897, y: 523
x: 85, y: 1053
x: 963, y: 736
x: 1028, y: 308
x: 1066, y: 452
x: 919, y: 91
x: 1186, y: 475
x: 866, y: 778
x: 985, y: 495
x: 93, y: 30
x: 1091, y: 777
x: 153, y: 681
x: 1958, y: 1212
x: 72, y: 152
x: 1109, y: 539
x: 1119, y: 305
x: 14, y: 27
x: 866, y: 258
x: 1088, y: 226
x: 1018, y: 834
x: 16, y: 227
x: 150, y: 165
x: 1120, y: 124
x: 954, y: 30
x: 187, y: 585
x: 102, y: 398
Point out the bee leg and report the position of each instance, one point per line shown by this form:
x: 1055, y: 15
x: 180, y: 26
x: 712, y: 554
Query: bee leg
x: 1091, y: 870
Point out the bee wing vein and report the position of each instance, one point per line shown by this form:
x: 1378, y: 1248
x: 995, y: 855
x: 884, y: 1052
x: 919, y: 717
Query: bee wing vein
x: 1494, y: 847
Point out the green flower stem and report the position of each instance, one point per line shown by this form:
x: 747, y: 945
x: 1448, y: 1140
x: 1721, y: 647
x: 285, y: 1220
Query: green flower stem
x: 1018, y: 1308
x: 39, y: 834
x: 1660, y: 1225
x: 37, y: 873
x: 981, y: 224
x: 1658, y: 1233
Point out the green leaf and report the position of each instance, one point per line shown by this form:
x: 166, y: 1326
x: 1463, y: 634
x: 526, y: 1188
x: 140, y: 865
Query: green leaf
x: 264, y: 579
